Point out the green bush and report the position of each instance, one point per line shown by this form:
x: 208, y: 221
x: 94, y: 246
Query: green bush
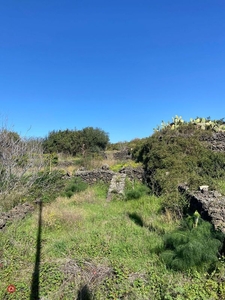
x: 175, y: 156
x: 133, y: 194
x: 192, y: 247
x: 74, y: 142
x: 74, y: 186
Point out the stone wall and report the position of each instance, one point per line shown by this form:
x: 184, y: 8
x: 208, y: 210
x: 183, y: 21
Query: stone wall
x: 122, y: 155
x: 94, y: 176
x: 117, y: 186
x: 134, y: 173
x: 216, y: 141
x: 106, y: 176
x: 210, y: 205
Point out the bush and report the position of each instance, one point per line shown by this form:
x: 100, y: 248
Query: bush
x: 133, y: 194
x: 75, y: 142
x: 74, y: 186
x: 175, y: 156
x: 20, y: 161
x: 192, y: 247
x: 135, y: 190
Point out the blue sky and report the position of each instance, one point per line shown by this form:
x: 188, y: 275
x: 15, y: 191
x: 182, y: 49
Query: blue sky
x: 119, y: 65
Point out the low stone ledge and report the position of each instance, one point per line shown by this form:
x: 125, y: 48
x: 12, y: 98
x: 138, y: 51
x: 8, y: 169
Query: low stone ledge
x: 210, y: 205
x: 93, y: 176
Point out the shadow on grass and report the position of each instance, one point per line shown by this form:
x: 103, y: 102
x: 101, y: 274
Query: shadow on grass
x: 139, y: 221
x: 34, y: 294
x: 84, y: 293
x: 136, y: 219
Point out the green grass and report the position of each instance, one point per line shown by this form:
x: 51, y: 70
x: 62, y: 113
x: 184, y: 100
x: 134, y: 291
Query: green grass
x: 96, y: 249
x: 220, y: 186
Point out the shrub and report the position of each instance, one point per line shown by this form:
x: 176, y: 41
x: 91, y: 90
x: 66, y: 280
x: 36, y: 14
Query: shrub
x: 133, y: 194
x: 135, y: 190
x: 174, y: 156
x: 74, y: 186
x: 20, y: 161
x: 192, y: 247
x: 75, y: 142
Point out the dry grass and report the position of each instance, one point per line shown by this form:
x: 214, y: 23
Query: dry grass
x: 169, y: 217
x: 66, y: 211
x: 89, y: 272
x: 58, y: 213
x: 87, y: 196
x: 68, y: 163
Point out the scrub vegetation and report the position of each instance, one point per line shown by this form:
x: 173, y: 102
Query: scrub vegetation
x: 148, y: 245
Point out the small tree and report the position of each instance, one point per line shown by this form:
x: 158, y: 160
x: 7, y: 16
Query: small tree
x: 72, y: 141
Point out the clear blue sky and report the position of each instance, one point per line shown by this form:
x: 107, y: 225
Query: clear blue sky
x: 119, y: 65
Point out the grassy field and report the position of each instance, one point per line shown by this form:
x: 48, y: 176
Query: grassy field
x: 86, y: 248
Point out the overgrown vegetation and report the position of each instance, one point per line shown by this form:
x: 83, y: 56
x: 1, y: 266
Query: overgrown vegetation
x: 75, y: 185
x: 175, y: 156
x: 74, y: 142
x: 135, y: 190
x: 141, y: 246
x: 104, y: 250
x: 20, y: 163
x: 47, y: 186
x: 126, y: 164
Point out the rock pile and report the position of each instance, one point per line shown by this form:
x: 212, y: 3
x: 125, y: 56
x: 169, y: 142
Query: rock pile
x: 122, y: 155
x: 216, y: 141
x: 210, y: 205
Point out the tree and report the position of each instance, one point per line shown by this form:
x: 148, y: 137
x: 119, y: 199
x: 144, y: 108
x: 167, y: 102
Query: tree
x: 95, y: 139
x: 20, y: 161
x: 75, y: 142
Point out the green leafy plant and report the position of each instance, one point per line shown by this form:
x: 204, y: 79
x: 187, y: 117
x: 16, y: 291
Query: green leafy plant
x: 128, y: 164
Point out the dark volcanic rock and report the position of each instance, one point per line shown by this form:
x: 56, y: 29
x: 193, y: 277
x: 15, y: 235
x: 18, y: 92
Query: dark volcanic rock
x: 210, y: 204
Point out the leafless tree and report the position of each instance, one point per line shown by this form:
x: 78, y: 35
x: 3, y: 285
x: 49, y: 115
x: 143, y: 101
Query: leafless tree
x: 20, y: 161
